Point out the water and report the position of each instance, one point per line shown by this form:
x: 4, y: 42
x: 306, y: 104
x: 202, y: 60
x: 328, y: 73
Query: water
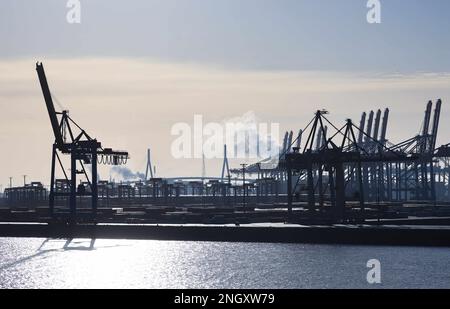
x: 82, y: 263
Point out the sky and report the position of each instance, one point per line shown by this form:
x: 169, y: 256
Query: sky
x: 132, y: 69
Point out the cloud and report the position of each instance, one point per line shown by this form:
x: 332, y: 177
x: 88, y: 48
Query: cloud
x: 121, y: 173
x: 253, y: 137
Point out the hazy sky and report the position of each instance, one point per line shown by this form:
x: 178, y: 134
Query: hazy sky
x: 257, y: 34
x: 132, y: 69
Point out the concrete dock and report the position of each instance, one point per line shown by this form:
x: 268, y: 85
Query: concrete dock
x: 267, y: 233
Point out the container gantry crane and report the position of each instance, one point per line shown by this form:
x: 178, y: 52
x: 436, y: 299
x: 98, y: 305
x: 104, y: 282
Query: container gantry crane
x: 83, y: 149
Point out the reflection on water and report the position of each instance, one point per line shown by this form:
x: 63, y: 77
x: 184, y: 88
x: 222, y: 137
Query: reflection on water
x: 85, y: 263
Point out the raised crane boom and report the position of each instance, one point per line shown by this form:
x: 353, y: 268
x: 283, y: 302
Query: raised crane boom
x: 50, y: 107
x: 82, y: 150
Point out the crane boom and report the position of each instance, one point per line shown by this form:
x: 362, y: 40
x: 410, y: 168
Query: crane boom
x: 384, y: 126
x: 434, y: 132
x: 50, y: 107
x: 361, y: 128
x: 376, y: 128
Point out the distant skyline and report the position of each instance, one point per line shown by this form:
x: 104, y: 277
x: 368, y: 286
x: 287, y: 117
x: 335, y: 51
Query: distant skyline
x: 132, y: 69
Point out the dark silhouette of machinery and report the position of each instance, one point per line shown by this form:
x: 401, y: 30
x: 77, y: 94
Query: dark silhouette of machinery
x: 340, y: 173
x: 83, y: 149
x: 362, y: 164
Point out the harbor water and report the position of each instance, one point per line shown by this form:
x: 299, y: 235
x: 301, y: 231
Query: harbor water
x: 85, y: 263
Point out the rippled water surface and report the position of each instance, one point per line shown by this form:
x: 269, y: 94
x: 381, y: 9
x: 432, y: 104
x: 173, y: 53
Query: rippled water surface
x: 83, y: 263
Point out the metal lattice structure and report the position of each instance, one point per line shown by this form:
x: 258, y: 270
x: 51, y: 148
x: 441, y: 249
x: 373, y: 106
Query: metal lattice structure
x: 358, y: 163
x: 71, y: 139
